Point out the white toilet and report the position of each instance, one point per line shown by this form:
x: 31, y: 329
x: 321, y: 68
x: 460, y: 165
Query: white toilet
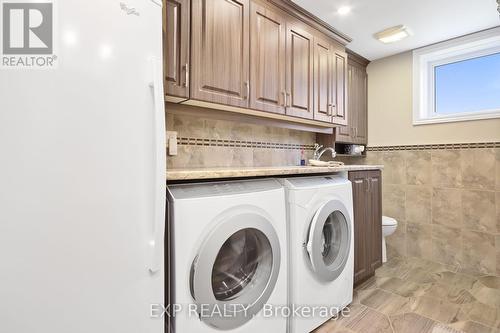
x: 389, y: 225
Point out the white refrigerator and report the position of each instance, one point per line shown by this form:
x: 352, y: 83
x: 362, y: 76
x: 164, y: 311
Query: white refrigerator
x: 82, y: 170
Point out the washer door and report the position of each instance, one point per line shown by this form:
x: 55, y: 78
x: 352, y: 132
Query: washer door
x: 329, y: 240
x: 235, y: 270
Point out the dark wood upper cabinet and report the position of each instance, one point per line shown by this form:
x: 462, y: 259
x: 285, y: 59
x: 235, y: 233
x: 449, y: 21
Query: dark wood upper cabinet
x: 346, y: 133
x: 300, y: 66
x: 367, y: 205
x: 266, y: 55
x: 340, y: 88
x: 220, y: 51
x: 176, y: 47
x: 362, y: 114
x: 330, y: 100
x: 356, y: 129
x: 323, y: 80
x: 267, y: 59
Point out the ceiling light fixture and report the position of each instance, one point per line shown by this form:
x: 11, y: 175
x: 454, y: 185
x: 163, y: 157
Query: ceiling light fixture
x: 344, y: 10
x: 393, y: 34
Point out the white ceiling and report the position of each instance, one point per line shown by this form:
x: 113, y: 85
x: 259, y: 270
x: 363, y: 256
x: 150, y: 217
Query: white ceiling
x: 430, y: 21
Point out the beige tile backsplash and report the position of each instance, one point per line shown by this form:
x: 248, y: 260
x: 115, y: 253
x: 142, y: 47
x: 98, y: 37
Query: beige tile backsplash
x: 447, y: 203
x: 238, y: 145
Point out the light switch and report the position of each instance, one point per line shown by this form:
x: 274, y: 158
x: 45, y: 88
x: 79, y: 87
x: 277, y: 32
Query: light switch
x: 172, y: 143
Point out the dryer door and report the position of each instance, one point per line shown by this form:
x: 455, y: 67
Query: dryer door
x: 329, y: 240
x: 235, y: 270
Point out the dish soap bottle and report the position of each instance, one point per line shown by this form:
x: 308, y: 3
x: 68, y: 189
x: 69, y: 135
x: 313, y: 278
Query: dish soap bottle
x: 302, y: 158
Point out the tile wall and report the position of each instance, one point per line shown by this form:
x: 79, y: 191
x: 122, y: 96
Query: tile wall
x: 446, y: 198
x: 447, y: 203
x: 223, y: 143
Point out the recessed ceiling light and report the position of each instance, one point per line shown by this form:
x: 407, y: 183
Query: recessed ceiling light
x: 393, y: 34
x: 344, y: 10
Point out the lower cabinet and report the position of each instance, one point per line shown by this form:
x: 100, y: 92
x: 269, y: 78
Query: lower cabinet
x: 367, y: 199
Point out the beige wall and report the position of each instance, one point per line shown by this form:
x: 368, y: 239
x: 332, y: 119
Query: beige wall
x: 390, y: 111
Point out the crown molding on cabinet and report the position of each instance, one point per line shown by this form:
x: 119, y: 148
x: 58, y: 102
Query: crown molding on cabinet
x: 300, y: 13
x: 359, y: 59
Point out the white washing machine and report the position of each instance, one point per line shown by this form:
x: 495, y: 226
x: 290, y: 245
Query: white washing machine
x: 321, y: 249
x: 228, y: 256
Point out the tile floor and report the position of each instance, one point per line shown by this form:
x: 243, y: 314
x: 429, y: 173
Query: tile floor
x: 414, y: 295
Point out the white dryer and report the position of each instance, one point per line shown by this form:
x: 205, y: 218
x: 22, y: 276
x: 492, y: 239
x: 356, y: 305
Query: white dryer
x: 228, y: 256
x: 321, y: 250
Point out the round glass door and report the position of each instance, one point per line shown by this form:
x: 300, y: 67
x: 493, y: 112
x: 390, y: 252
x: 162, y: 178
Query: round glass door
x: 244, y: 259
x: 329, y: 240
x: 236, y: 270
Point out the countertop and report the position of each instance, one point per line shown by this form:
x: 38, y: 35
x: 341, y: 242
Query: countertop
x: 241, y: 172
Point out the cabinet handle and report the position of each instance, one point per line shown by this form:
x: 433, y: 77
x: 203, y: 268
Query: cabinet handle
x: 289, y: 99
x: 367, y: 185
x: 186, y: 82
x: 329, y: 110
x: 247, y: 84
x: 334, y: 113
x: 355, y: 132
x: 284, y: 98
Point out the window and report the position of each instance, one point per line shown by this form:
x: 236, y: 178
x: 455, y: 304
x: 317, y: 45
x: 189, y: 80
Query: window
x: 457, y: 80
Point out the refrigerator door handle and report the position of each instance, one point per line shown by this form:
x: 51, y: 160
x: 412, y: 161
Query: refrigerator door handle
x: 160, y: 181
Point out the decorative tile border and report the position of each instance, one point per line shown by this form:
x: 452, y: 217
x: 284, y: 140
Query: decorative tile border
x: 240, y: 144
x: 437, y: 146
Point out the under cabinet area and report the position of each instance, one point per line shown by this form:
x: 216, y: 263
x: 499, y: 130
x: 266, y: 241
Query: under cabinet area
x: 367, y: 205
x: 269, y: 56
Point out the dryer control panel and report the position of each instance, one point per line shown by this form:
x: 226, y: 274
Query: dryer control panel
x: 317, y: 181
x: 213, y: 189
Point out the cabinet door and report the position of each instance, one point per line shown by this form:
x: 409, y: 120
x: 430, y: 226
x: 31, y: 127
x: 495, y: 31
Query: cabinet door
x: 267, y: 60
x: 361, y: 228
x: 220, y: 51
x: 176, y: 47
x: 300, y: 66
x: 340, y: 110
x: 346, y: 133
x: 323, y: 80
x: 361, y: 132
x: 375, y: 219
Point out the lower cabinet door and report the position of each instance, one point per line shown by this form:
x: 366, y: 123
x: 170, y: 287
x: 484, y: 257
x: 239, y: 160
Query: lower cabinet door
x: 375, y: 219
x: 361, y: 230
x: 367, y: 205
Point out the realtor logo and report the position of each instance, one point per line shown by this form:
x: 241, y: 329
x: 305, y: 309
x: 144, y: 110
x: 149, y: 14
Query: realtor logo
x: 27, y: 34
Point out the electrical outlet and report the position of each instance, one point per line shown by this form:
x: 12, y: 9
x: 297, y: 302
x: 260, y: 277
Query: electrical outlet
x: 172, y: 143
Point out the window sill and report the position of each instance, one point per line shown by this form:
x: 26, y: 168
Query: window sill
x: 457, y: 117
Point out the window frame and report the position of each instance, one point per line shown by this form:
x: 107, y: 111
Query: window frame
x: 426, y: 59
